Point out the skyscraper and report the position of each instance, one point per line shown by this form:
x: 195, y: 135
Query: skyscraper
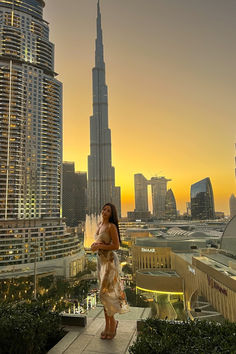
x: 232, y: 205
x: 74, y: 194
x: 141, y: 193
x: 202, y: 200
x: 80, y: 196
x: 159, y: 189
x: 30, y: 142
x: 101, y: 174
x: 170, y: 205
x: 31, y: 114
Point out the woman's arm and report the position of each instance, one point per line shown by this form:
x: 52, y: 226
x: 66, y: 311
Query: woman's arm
x: 96, y: 234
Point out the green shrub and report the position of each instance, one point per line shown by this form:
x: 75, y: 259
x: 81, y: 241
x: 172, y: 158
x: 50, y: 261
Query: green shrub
x: 28, y: 328
x: 164, y: 337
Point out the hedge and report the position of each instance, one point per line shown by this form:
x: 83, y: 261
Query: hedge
x: 158, y: 336
x: 28, y: 328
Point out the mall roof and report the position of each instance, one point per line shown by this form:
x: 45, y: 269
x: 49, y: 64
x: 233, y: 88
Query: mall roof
x: 188, y: 256
x: 217, y: 265
x: 179, y: 244
x: 159, y: 273
x: 221, y: 258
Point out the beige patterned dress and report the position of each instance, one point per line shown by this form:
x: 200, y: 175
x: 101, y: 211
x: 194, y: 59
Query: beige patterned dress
x: 112, y: 294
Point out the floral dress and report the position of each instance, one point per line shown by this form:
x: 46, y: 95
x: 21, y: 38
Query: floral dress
x: 112, y: 294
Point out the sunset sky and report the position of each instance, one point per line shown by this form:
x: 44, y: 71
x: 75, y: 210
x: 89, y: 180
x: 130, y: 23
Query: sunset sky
x: 171, y: 76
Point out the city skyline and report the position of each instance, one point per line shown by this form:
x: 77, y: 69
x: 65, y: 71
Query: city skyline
x: 167, y: 69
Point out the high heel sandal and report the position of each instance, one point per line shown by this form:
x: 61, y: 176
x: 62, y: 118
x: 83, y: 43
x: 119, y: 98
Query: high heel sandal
x: 103, y: 335
x: 112, y: 335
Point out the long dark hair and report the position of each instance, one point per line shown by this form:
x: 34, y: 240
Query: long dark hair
x: 113, y: 218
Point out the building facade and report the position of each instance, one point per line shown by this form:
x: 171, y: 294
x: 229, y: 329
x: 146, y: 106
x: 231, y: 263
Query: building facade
x: 74, y: 194
x: 68, y: 193
x: 208, y: 274
x: 31, y: 114
x: 101, y: 173
x: 202, y: 200
x: 146, y: 257
x: 30, y: 139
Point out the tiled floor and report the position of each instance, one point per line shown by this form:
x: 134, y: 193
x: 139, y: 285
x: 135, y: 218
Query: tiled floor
x: 87, y: 340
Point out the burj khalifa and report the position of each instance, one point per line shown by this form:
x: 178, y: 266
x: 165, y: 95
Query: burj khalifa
x: 101, y: 173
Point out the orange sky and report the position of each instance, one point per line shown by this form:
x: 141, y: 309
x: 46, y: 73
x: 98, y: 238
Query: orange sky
x: 170, y: 69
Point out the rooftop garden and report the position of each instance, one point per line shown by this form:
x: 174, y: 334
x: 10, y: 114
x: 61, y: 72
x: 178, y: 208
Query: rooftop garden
x: 157, y: 336
x: 28, y: 328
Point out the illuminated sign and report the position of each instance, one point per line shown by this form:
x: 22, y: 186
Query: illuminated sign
x: 160, y: 292
x: 213, y: 284
x: 150, y: 250
x: 192, y: 270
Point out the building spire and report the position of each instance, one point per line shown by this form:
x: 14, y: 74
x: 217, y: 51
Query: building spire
x: 99, y: 61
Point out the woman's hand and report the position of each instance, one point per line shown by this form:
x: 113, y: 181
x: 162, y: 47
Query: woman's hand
x: 95, y: 246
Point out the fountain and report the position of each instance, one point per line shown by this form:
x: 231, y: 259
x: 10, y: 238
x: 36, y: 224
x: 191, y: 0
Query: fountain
x: 91, y: 224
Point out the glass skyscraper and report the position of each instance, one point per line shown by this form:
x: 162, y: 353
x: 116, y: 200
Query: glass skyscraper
x: 202, y: 200
x: 170, y: 205
x: 30, y: 139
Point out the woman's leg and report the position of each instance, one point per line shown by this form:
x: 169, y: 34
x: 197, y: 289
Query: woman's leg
x: 107, y: 324
x: 112, y: 327
x: 107, y: 321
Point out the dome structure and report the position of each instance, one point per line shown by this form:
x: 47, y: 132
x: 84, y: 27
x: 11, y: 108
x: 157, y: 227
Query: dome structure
x: 228, y: 240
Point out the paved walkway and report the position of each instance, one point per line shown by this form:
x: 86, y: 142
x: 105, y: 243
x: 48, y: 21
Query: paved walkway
x: 87, y: 340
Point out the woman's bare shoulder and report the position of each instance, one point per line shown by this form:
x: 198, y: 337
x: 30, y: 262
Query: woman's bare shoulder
x: 112, y: 227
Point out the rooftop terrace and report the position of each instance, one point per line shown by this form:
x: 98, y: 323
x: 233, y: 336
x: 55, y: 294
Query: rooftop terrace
x: 87, y: 340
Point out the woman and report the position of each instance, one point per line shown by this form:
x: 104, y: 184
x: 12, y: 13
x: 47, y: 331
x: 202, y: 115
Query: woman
x: 111, y: 293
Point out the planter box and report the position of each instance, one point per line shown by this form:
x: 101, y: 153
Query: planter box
x: 70, y: 319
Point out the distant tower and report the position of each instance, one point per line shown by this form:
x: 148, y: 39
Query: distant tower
x: 188, y: 208
x: 170, y: 205
x: 141, y: 193
x: 159, y: 188
x: 202, y: 200
x: 232, y: 205
x: 74, y: 194
x: 80, y: 196
x: 101, y: 174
